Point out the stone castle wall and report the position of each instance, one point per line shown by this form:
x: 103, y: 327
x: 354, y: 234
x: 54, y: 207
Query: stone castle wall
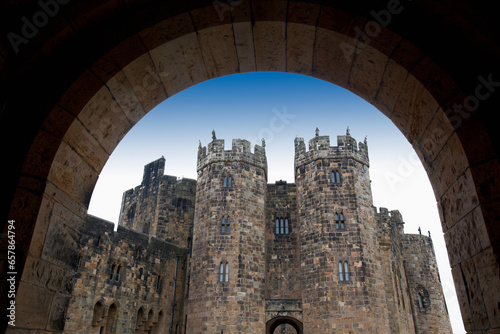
x: 124, y: 282
x: 282, y: 242
x: 254, y: 257
x: 162, y: 206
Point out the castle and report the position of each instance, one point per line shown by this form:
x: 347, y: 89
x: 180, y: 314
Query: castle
x: 231, y: 253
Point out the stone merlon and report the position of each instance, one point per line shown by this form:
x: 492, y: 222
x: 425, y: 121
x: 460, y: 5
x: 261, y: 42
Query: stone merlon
x: 319, y: 148
x: 240, y: 151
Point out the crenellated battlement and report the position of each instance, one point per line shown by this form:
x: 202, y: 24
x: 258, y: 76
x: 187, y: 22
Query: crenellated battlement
x: 240, y: 151
x: 319, y: 148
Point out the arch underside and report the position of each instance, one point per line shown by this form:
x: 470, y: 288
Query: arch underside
x: 109, y: 64
x: 272, y: 324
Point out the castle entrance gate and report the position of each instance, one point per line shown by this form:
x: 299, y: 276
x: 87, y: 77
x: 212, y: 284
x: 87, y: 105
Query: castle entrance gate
x: 282, y: 312
x: 274, y: 323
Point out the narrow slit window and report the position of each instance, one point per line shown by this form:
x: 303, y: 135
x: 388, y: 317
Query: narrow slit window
x: 346, y: 271
x: 339, y: 221
x: 277, y: 226
x: 420, y: 302
x: 158, y: 284
x: 112, y: 274
x: 341, y: 272
x: 117, y: 276
x: 282, y: 226
x: 286, y: 226
x: 335, y: 177
x: 224, y: 272
x: 228, y: 182
x: 226, y: 221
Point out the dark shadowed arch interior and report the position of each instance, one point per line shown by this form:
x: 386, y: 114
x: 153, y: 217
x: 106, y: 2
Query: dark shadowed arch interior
x: 272, y: 324
x: 74, y: 88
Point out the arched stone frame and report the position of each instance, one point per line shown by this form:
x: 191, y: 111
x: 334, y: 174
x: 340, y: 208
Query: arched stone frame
x: 140, y: 320
x: 98, y: 315
x: 272, y: 324
x: 161, y: 325
x: 151, y: 321
x: 83, y: 116
x: 111, y: 319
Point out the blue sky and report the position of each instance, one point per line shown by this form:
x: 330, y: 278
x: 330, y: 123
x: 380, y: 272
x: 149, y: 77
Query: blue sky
x: 277, y: 107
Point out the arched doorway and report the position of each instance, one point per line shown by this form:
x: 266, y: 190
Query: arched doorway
x: 73, y: 88
x: 284, y: 325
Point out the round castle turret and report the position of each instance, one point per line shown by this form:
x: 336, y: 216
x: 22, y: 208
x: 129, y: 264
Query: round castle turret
x: 228, y: 263
x: 340, y: 265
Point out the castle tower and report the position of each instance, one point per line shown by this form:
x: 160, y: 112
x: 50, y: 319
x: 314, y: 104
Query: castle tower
x: 161, y: 206
x: 342, y: 284
x: 227, y: 284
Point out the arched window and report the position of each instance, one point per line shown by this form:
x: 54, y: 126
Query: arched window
x: 112, y: 273
x: 117, y: 276
x: 98, y: 314
x: 420, y: 301
x: 158, y: 283
x: 277, y: 226
x: 343, y: 271
x: 286, y: 226
x: 224, y: 272
x: 335, y: 177
x: 226, y: 221
x: 111, y: 320
x: 282, y: 226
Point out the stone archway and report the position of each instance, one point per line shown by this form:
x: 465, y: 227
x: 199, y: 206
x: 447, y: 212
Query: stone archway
x: 75, y: 86
x: 272, y: 324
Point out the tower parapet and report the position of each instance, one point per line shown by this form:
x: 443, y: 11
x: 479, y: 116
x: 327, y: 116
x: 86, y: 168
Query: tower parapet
x: 240, y: 151
x: 319, y: 148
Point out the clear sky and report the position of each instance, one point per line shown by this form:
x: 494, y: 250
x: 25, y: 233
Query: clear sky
x: 277, y: 107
